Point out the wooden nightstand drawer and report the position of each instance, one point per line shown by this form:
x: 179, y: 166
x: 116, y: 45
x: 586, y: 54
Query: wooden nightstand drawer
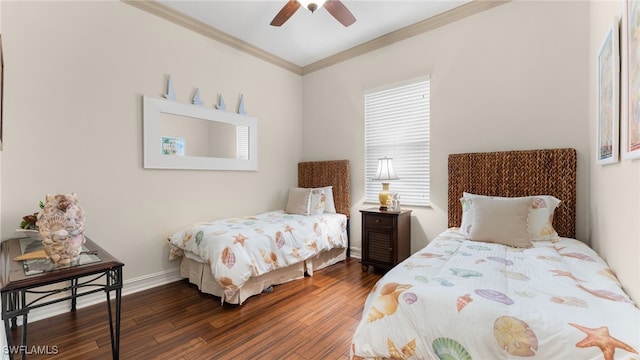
x: 378, y: 220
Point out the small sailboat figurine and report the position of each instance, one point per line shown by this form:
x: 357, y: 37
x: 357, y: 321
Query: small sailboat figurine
x: 171, y: 93
x: 196, y: 98
x: 241, y: 109
x: 221, y: 105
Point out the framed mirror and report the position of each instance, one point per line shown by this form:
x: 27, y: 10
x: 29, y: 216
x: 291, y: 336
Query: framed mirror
x: 184, y: 136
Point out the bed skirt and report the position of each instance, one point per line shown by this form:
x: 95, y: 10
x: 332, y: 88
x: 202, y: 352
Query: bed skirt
x: 200, y: 275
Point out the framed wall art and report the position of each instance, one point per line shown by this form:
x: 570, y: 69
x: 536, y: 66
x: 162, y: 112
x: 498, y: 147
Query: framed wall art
x: 631, y: 125
x: 608, y: 96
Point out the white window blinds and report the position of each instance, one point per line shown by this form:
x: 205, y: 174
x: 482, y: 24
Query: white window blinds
x: 397, y: 126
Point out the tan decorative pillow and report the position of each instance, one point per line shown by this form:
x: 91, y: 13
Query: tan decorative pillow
x: 501, y: 220
x: 298, y: 201
x: 540, y: 215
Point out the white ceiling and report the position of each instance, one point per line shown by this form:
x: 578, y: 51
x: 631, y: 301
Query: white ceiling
x: 308, y: 37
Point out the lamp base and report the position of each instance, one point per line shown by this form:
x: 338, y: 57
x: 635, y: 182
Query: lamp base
x: 383, y: 196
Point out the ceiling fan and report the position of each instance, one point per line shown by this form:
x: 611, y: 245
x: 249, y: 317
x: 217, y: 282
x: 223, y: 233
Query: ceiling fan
x: 334, y: 7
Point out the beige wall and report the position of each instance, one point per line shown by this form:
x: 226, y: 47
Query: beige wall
x: 519, y: 76
x: 75, y: 75
x: 615, y: 192
x: 513, y: 77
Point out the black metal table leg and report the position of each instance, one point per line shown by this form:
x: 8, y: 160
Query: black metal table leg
x: 23, y: 305
x: 10, y: 302
x: 14, y: 305
x: 74, y: 293
x: 7, y: 306
x: 114, y: 281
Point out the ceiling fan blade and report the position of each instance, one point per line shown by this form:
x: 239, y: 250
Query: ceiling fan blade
x: 340, y: 12
x: 285, y: 13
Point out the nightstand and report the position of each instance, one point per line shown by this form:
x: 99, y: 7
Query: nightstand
x: 386, y: 238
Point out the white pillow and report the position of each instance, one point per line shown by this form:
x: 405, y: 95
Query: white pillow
x: 317, y: 201
x: 540, y: 218
x: 298, y: 201
x: 329, y: 204
x: 501, y: 221
x: 467, y: 213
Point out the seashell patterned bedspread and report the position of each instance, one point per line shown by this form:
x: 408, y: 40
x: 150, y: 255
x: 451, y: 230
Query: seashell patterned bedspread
x: 459, y: 299
x: 239, y: 248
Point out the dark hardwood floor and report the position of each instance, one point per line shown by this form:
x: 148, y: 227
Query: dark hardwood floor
x: 311, y: 318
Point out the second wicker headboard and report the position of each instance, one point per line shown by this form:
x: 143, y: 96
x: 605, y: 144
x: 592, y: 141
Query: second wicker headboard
x: 516, y: 173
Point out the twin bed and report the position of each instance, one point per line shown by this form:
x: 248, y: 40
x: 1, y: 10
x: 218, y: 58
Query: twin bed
x: 501, y: 295
x: 240, y: 257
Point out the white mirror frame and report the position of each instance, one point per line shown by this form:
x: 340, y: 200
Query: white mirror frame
x: 153, y: 158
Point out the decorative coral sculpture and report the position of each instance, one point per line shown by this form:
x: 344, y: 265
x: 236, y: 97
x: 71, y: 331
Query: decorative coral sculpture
x: 61, y: 224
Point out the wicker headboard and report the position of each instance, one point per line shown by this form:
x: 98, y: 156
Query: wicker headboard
x: 336, y: 173
x: 516, y: 173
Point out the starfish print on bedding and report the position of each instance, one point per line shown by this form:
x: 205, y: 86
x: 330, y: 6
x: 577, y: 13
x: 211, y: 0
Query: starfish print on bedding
x: 601, y: 338
x: 312, y: 246
x: 296, y: 253
x: 239, y: 239
x: 289, y: 229
x: 567, y: 274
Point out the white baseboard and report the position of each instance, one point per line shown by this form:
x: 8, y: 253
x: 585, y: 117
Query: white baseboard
x: 128, y: 287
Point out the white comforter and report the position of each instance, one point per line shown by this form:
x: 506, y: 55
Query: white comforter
x: 239, y: 248
x: 459, y: 299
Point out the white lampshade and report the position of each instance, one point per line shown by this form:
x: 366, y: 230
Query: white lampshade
x: 385, y: 170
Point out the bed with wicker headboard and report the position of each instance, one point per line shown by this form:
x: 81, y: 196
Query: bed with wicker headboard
x: 503, y: 281
x: 240, y: 257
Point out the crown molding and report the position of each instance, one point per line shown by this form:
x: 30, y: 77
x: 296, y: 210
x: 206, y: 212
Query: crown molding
x: 404, y: 33
x: 460, y: 12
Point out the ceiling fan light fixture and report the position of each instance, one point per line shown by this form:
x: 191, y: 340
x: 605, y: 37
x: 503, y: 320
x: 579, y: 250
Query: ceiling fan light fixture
x: 311, y: 4
x: 335, y: 7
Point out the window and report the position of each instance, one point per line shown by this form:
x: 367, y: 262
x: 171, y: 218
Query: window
x: 397, y: 126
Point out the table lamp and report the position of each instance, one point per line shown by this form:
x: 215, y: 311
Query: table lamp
x: 385, y: 173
